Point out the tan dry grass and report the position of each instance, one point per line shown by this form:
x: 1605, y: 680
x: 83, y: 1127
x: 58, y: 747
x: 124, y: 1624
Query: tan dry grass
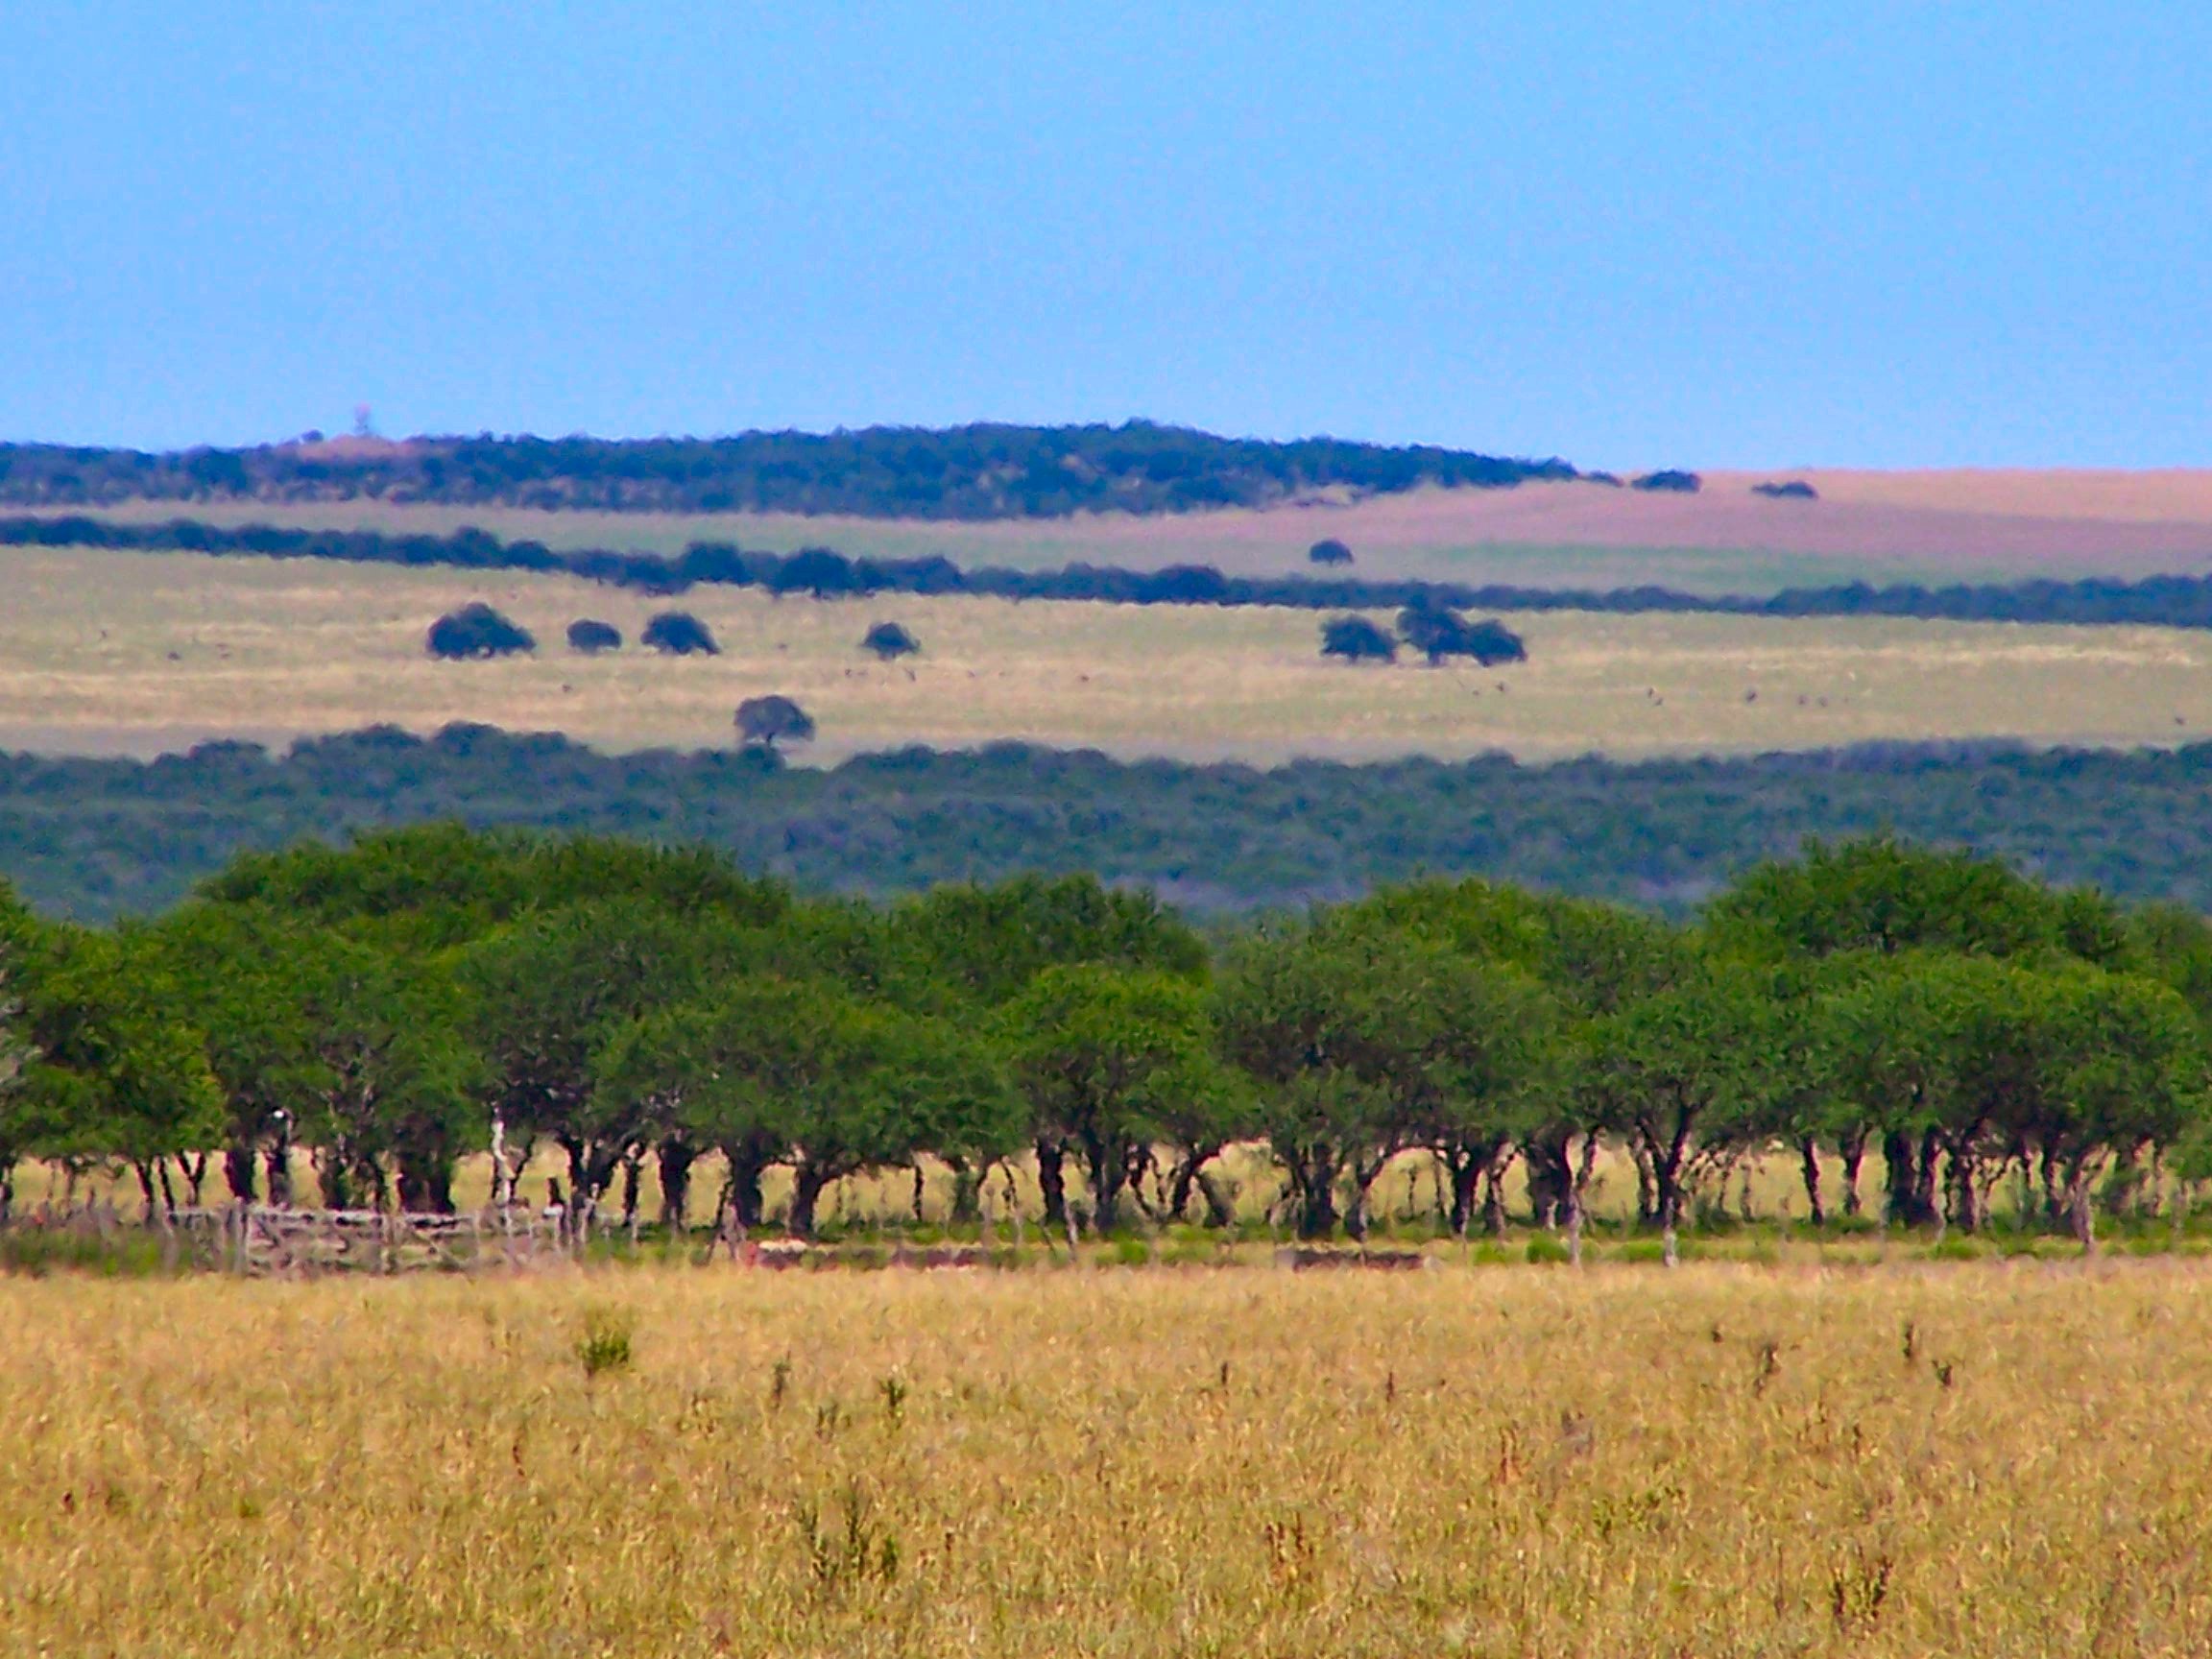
x: 1718, y: 1462
x: 140, y: 653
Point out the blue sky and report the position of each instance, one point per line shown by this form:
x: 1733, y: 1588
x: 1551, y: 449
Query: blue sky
x: 1630, y: 234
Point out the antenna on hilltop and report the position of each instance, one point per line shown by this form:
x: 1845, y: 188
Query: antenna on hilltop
x: 362, y: 426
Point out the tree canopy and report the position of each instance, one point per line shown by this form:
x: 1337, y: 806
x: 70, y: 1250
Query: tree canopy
x: 476, y: 630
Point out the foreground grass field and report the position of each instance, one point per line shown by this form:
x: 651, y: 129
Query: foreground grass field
x: 1715, y: 1461
x: 140, y: 653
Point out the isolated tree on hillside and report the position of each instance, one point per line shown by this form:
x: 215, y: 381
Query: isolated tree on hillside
x: 1438, y: 632
x: 679, y: 634
x: 591, y: 636
x: 478, y: 630
x: 1329, y: 551
x: 888, y: 640
x: 1357, y: 639
x: 772, y: 720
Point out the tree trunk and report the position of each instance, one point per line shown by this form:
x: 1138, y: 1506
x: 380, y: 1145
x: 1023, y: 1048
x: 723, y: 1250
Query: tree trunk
x: 808, y: 1182
x: 747, y: 1162
x: 632, y: 1173
x: 1494, y: 1198
x: 1808, y: 1167
x: 1181, y: 1182
x: 168, y: 1191
x: 1550, y: 1176
x: 1312, y: 1173
x: 1106, y: 1159
x: 146, y: 1188
x: 1053, y: 1182
x: 1906, y: 1189
x: 967, y: 1193
x: 675, y: 1157
x: 1363, y: 1179
x: 1924, y: 1175
x: 1666, y: 1157
x: 1966, y: 1197
x: 1189, y: 1176
x: 277, y: 1172
x: 1852, y: 1145
x: 330, y: 1178
x: 425, y: 1182
x: 1466, y: 1174
x: 238, y: 1171
x: 2079, y: 1207
x: 195, y: 1168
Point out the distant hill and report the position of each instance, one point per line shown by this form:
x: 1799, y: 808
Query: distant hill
x: 964, y: 472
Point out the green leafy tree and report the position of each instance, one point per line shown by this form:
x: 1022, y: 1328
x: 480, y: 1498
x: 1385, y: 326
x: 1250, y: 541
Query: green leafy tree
x: 889, y: 641
x: 547, y: 992
x: 116, y: 1074
x: 771, y: 1070
x: 773, y: 719
x: 968, y: 950
x: 237, y: 974
x: 1878, y: 897
x: 18, y: 1133
x: 391, y: 1098
x: 478, y: 630
x: 1112, y: 1061
x: 1883, y: 896
x: 1357, y: 639
x: 1361, y: 1043
x: 1687, y: 1073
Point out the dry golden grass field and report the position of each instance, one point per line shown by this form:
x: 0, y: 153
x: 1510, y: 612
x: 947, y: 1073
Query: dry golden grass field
x: 140, y: 653
x: 1958, y: 1460
x: 1879, y: 526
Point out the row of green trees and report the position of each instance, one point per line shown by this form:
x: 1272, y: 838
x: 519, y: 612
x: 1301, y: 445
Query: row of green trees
x: 387, y: 1009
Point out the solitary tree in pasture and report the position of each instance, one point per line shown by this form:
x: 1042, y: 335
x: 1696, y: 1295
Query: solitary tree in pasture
x: 589, y: 636
x: 773, y: 719
x: 478, y: 630
x: 890, y: 640
x: 1357, y: 639
x: 679, y: 634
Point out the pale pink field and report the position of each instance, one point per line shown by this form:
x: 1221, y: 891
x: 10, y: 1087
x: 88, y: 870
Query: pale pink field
x: 1932, y: 526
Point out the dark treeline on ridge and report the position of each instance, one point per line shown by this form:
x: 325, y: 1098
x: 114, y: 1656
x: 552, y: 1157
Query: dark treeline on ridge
x: 97, y: 837
x: 973, y: 473
x: 430, y: 994
x: 823, y: 573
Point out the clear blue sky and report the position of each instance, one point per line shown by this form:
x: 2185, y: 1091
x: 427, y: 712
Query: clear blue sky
x: 1630, y: 234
